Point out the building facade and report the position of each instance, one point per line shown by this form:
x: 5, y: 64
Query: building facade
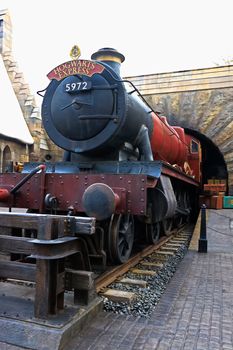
x: 22, y: 136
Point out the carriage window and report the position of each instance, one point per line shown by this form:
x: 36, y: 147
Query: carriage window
x: 194, y: 146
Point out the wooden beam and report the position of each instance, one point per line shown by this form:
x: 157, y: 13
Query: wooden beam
x: 63, y: 224
x: 82, y: 280
x: 17, y: 270
x: 16, y: 245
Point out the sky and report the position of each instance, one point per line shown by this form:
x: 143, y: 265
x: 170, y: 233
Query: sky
x: 154, y: 35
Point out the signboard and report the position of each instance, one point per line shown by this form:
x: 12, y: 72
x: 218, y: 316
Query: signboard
x: 82, y: 67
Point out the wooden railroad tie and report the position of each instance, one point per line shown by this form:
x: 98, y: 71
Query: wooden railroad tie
x: 179, y: 240
x: 163, y: 252
x: 158, y: 258
x: 134, y: 282
x: 143, y: 272
x: 151, y: 263
x: 182, y: 236
x: 172, y: 245
x: 119, y: 295
x: 169, y: 249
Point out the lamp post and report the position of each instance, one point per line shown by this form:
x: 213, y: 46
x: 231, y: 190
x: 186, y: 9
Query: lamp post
x: 203, y: 243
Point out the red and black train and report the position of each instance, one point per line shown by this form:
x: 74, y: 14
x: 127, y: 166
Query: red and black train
x: 123, y: 163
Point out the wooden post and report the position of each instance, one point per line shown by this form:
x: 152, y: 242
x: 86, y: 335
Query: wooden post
x: 49, y: 296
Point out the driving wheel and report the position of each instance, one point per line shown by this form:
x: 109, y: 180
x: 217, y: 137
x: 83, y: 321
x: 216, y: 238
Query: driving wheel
x: 120, y: 237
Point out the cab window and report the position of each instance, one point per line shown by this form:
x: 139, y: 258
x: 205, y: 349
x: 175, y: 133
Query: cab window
x: 194, y: 146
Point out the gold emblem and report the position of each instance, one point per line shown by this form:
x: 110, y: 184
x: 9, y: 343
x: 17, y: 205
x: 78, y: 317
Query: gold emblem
x: 75, y: 52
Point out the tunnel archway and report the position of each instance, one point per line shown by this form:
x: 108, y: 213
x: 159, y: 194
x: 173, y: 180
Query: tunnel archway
x: 213, y: 162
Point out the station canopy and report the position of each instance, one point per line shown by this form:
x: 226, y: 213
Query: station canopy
x: 12, y: 122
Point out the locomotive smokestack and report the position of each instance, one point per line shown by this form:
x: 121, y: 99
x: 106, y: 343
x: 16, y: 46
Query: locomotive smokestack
x: 110, y: 56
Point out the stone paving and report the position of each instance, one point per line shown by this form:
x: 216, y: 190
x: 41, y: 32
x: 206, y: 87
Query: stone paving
x: 195, y: 312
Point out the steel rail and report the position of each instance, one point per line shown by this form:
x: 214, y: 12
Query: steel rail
x: 102, y: 281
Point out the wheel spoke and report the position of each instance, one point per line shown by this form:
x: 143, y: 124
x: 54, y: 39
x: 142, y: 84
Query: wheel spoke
x: 152, y: 232
x: 121, y: 241
x: 121, y: 237
x: 122, y: 249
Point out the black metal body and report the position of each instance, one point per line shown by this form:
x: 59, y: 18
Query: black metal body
x: 96, y: 120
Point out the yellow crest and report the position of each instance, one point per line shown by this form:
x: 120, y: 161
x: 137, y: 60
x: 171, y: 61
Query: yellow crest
x: 75, y: 52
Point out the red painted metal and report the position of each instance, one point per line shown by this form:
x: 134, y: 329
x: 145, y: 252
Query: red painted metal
x: 172, y: 145
x: 173, y: 172
x: 69, y: 188
x: 167, y: 142
x: 194, y: 158
x: 42, y: 167
x: 130, y: 190
x: 4, y: 194
x: 74, y: 67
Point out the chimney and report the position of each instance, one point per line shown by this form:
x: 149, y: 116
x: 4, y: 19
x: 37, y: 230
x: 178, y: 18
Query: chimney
x: 5, y: 32
x: 110, y: 56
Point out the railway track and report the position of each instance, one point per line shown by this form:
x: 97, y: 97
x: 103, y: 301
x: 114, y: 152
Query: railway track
x: 136, y: 286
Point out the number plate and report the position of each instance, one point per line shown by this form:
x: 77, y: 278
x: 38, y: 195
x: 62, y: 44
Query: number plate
x: 76, y: 87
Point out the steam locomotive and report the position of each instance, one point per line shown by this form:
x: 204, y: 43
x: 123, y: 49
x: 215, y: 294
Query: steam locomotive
x: 123, y: 163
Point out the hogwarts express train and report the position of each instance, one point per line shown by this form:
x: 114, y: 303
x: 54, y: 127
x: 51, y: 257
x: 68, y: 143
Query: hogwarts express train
x: 123, y: 163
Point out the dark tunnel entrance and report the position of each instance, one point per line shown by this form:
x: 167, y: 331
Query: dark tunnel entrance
x: 213, y: 163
